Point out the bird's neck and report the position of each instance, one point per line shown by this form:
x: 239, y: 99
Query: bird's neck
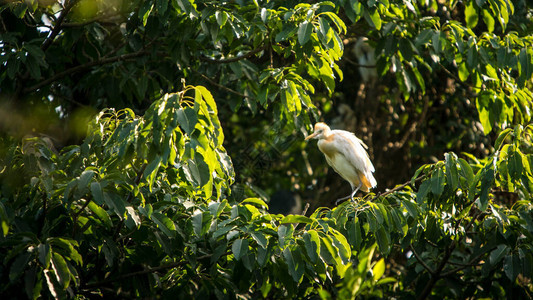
x: 326, y: 134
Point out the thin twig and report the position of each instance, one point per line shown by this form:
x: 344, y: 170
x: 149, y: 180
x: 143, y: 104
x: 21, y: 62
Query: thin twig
x: 222, y: 87
x: 82, y: 68
x: 421, y: 261
x: 109, y: 19
x: 399, y: 187
x: 305, y: 208
x: 457, y: 78
x: 471, y: 263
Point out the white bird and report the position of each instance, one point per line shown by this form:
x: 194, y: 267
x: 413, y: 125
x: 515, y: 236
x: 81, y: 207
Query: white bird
x: 365, y: 57
x: 345, y: 153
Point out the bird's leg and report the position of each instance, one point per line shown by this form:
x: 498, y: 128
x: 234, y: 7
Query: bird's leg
x: 351, y: 195
x: 355, y: 191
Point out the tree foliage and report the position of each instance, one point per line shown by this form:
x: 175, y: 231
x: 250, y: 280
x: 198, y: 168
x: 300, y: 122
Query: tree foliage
x: 176, y: 94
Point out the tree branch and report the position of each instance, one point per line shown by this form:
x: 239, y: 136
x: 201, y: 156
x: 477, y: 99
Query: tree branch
x: 233, y: 59
x: 421, y: 261
x: 83, y: 67
x: 109, y: 19
x: 57, y: 27
x: 464, y: 84
x: 471, y: 263
x: 222, y: 87
x: 397, y: 188
x: 448, y: 253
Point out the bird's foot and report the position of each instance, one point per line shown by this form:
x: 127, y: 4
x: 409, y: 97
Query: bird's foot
x: 344, y: 198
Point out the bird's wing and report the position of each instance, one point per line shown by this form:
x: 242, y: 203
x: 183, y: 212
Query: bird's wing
x: 353, y: 149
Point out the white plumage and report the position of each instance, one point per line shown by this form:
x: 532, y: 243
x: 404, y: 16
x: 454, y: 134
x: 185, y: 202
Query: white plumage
x: 346, y: 154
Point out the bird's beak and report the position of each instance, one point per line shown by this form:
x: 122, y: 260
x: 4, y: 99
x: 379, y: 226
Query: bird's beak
x: 311, y: 136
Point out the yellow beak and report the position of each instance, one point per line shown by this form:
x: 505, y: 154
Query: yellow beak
x: 311, y: 136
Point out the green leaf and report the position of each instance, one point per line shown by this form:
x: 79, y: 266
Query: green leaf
x: 498, y: 254
x: 406, y: 49
x: 511, y: 266
x: 239, y: 248
x: 514, y: 163
x: 436, y: 41
x: 295, y: 263
x: 221, y: 17
x: 486, y: 185
x: 379, y: 269
x: 45, y: 255
x: 260, y: 238
x: 296, y: 219
x: 187, y: 119
x: 98, y: 194
x: 483, y: 104
x: 524, y: 67
x: 59, y: 265
x: 198, y: 171
x: 312, y: 245
x: 356, y: 6
x: 417, y: 173
x: 324, y: 30
x: 341, y: 27
x: 344, y: 249
x: 255, y: 201
x: 164, y: 223
x: 3, y: 220
x: 488, y: 19
x: 68, y: 246
x: 466, y: 172
x: 411, y: 207
x: 100, y: 213
x: 452, y: 174
x: 304, y: 32
x: 116, y: 202
x: 18, y: 265
x: 284, y: 232
x: 463, y: 72
x: 501, y: 138
x: 162, y: 6
x: 423, y: 189
x: 151, y: 170
x: 372, y: 17
x: 85, y: 178
x: 146, y: 13
x: 208, y: 97
x: 471, y: 15
x: 383, y: 239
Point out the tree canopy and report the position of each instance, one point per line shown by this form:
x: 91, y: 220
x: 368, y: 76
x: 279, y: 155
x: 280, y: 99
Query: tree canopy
x: 144, y: 141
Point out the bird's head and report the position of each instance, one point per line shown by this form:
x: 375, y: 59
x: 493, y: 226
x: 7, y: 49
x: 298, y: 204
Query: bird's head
x: 321, y: 131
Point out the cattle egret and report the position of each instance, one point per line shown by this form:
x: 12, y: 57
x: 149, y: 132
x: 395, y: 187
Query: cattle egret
x: 365, y: 57
x: 345, y: 153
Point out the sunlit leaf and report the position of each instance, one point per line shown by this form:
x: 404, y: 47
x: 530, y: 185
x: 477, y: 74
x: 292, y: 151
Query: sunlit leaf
x: 379, y: 269
x: 164, y: 223
x: 471, y: 15
x: 59, y: 265
x: 100, y: 213
x: 312, y: 245
x: 304, y: 32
